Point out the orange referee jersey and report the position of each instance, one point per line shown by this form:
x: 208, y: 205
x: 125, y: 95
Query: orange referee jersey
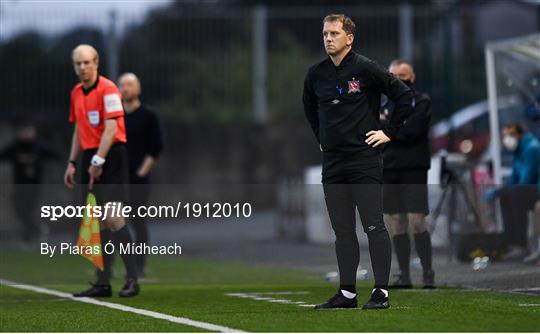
x: 89, y: 108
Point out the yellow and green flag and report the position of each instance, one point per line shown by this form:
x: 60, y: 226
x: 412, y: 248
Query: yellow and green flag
x: 89, y: 235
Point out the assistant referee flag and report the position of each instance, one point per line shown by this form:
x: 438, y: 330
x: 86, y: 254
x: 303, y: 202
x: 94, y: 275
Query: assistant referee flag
x: 89, y: 235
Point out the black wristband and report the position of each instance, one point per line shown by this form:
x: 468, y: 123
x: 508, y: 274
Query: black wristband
x: 73, y: 162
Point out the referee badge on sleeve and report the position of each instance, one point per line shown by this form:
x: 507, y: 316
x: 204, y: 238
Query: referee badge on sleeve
x: 112, y: 103
x: 93, y: 117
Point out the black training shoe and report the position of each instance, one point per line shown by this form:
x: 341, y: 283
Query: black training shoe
x: 429, y: 280
x: 378, y: 300
x: 130, y: 289
x: 338, y: 301
x: 97, y: 290
x: 402, y: 282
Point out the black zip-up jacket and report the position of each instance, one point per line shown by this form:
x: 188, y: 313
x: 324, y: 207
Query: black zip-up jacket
x: 410, y: 147
x: 342, y: 102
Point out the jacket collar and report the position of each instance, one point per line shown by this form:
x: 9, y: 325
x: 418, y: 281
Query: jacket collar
x: 346, y: 60
x: 87, y: 91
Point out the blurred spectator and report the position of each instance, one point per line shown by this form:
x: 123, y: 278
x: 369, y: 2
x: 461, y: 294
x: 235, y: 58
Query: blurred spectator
x: 519, y: 195
x: 144, y: 146
x: 405, y: 193
x: 26, y: 155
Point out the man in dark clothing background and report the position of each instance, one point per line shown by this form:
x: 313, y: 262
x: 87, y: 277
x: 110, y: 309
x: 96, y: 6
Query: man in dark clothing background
x: 341, y: 102
x: 144, y: 146
x: 26, y: 155
x: 406, y: 163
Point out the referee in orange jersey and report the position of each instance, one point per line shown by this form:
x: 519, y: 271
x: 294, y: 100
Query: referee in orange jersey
x: 100, y: 135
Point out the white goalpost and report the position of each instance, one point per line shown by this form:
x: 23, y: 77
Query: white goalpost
x: 513, y: 73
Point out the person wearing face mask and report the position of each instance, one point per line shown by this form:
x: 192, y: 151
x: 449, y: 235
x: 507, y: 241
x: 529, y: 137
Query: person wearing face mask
x: 519, y: 194
x: 406, y: 163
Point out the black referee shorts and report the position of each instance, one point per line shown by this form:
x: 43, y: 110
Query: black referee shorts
x: 113, y: 185
x: 405, y: 191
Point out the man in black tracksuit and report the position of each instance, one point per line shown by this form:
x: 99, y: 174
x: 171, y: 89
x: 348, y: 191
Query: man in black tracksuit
x: 341, y: 101
x: 144, y: 145
x: 406, y: 163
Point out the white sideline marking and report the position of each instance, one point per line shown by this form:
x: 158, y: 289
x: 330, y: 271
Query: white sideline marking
x: 282, y: 301
x: 257, y: 296
x: 529, y: 305
x: 152, y: 314
x: 307, y: 305
x: 260, y: 298
x: 280, y: 293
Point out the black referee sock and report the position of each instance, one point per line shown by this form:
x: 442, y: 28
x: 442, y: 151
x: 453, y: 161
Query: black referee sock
x: 422, y: 243
x: 402, y: 247
x: 104, y: 277
x: 122, y: 236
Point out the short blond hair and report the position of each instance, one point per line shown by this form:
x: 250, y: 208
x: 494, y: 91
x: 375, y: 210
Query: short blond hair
x: 85, y: 47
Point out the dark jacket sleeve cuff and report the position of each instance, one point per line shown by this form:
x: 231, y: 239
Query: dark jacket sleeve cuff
x: 389, y: 133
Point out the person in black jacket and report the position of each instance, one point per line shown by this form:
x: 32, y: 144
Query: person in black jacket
x: 27, y: 155
x: 144, y: 145
x: 341, y: 101
x: 406, y: 162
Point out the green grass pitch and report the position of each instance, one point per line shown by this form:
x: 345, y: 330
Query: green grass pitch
x: 241, y: 297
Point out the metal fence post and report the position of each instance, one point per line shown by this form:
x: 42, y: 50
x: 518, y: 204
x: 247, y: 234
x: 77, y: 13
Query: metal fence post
x: 406, y: 31
x: 112, y: 47
x: 260, y: 49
